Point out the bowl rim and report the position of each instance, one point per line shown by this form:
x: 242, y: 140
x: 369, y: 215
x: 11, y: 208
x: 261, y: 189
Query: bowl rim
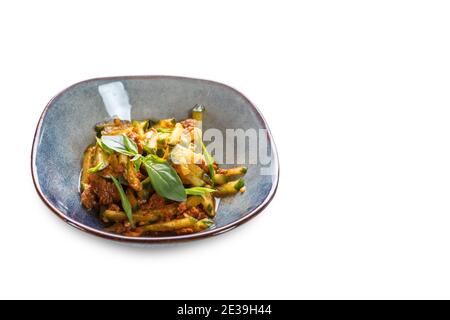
x: 164, y: 239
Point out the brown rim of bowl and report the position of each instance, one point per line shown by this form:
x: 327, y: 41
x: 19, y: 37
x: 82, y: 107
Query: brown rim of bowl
x: 163, y: 239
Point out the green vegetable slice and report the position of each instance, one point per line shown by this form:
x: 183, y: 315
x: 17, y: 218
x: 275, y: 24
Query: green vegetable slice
x: 198, y: 191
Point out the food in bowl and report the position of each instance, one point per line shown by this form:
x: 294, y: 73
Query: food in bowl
x: 154, y: 177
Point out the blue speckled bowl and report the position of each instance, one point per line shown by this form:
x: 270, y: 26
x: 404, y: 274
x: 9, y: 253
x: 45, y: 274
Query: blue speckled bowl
x: 66, y: 128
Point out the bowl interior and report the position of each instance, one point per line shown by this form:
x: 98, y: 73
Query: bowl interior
x: 66, y: 129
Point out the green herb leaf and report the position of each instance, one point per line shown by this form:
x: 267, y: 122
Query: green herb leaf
x: 121, y: 144
x: 198, y: 191
x: 99, y: 167
x: 130, y: 145
x: 165, y: 180
x: 125, y: 202
x: 104, y: 146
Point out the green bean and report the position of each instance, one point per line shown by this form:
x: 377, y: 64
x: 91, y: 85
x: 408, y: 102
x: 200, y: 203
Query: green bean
x: 170, y: 225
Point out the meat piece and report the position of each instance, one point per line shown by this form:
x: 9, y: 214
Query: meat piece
x: 117, y: 228
x: 114, y: 207
x: 88, y: 198
x: 104, y: 189
x: 184, y: 231
x: 182, y: 207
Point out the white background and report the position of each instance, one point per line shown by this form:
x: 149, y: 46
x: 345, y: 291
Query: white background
x: 356, y: 94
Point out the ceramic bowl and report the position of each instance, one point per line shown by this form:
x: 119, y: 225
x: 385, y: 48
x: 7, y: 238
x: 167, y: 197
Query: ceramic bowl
x: 65, y: 129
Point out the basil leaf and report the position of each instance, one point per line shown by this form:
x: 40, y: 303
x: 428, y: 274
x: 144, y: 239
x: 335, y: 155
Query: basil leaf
x: 125, y: 202
x: 119, y: 144
x: 100, y: 166
x: 165, y: 180
x: 198, y: 191
x: 130, y: 145
x: 104, y: 146
x: 136, y: 157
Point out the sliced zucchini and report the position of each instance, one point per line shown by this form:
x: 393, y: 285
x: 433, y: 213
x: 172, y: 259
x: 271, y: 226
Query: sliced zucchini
x: 170, y: 225
x: 207, y: 201
x: 130, y: 175
x: 197, y: 112
x: 209, y: 204
x: 193, y: 201
x: 114, y: 216
x: 140, y: 126
x: 187, y: 176
x: 132, y: 199
x: 113, y: 127
x: 100, y: 160
x: 229, y: 188
x: 87, y: 160
x: 144, y: 194
x: 220, y: 179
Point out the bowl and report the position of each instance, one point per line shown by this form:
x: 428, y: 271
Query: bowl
x: 65, y: 129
